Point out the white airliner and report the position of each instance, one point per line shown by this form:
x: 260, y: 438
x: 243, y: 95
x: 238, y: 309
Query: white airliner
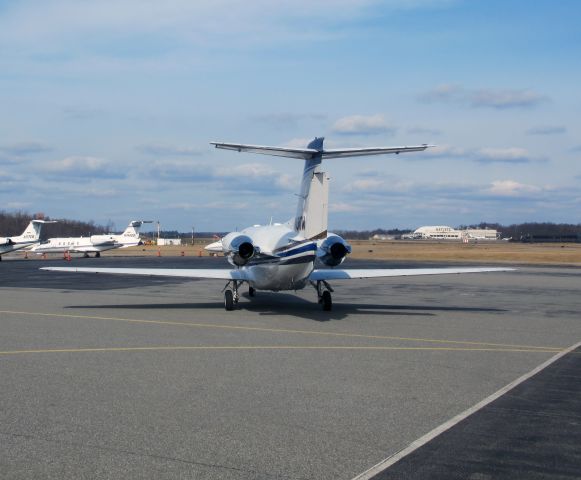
x: 93, y: 244
x: 29, y: 237
x: 283, y: 256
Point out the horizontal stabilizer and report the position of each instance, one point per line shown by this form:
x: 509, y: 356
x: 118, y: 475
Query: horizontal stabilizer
x: 335, y: 274
x: 221, y: 274
x: 309, y: 153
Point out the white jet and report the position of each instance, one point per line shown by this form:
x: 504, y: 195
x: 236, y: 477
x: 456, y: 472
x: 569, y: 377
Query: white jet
x: 283, y: 256
x: 93, y: 244
x: 29, y: 237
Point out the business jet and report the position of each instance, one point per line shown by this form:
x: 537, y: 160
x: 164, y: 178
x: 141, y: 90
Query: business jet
x: 29, y: 237
x: 283, y: 256
x: 93, y: 244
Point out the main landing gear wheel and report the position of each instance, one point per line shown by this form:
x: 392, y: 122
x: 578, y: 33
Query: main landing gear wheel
x: 98, y: 255
x: 231, y: 297
x: 324, y: 294
x: 228, y: 300
x: 251, y: 292
x: 326, y: 301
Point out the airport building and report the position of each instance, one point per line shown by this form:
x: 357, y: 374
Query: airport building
x: 441, y: 232
x: 169, y: 241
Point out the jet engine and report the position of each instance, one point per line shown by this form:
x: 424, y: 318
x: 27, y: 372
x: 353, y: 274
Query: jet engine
x: 239, y: 248
x: 101, y: 239
x: 333, y: 250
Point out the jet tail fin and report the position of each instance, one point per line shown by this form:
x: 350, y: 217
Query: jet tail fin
x: 131, y: 233
x: 312, y: 209
x: 32, y: 232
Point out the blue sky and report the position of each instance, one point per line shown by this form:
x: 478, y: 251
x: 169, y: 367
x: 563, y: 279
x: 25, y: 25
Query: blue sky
x: 108, y: 108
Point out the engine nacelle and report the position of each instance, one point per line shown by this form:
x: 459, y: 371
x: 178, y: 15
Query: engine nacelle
x: 100, y: 239
x: 333, y: 250
x: 238, y: 247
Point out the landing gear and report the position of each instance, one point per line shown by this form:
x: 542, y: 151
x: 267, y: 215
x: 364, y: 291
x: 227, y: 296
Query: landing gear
x: 231, y: 297
x: 251, y: 292
x: 85, y: 255
x: 98, y: 255
x: 326, y: 301
x: 228, y: 300
x: 324, y: 293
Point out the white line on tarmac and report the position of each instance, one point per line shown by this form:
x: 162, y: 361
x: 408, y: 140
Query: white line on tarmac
x: 389, y: 461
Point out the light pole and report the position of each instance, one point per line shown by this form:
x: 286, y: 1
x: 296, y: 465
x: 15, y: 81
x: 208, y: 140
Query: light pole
x: 192, y: 236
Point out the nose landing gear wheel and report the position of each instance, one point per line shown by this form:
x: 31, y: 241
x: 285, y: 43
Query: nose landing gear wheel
x: 228, y: 300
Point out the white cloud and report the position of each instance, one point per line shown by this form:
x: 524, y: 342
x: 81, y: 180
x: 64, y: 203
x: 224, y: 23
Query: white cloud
x: 164, y: 150
x: 509, y: 155
x: 363, y: 125
x: 510, y: 188
x: 499, y: 99
x: 502, y: 155
x: 366, y: 185
x: 343, y: 208
x: 82, y: 166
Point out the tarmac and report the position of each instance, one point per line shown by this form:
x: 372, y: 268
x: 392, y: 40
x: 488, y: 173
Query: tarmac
x: 143, y: 377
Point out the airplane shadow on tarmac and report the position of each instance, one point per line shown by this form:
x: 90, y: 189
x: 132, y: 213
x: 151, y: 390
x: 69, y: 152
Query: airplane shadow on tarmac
x: 278, y: 304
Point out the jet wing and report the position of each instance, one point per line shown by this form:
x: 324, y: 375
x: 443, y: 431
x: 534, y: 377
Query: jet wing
x: 308, y: 153
x: 304, y: 153
x: 222, y: 274
x: 335, y: 274
x: 358, y: 152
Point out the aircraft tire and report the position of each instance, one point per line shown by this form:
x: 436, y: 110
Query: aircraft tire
x: 98, y: 255
x: 327, y: 301
x: 228, y: 300
x: 251, y: 292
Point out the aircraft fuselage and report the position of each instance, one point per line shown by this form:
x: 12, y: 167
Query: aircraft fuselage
x: 284, y: 260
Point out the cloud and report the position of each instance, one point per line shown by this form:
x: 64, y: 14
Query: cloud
x: 163, y: 150
x: 487, y: 155
x: 83, y: 167
x: 363, y: 125
x: 547, y: 130
x: 286, y: 119
x: 343, y: 208
x: 249, y: 178
x: 499, y: 99
x: 510, y: 188
x: 24, y: 148
x: 423, y: 131
x: 505, y: 99
x: 502, y: 155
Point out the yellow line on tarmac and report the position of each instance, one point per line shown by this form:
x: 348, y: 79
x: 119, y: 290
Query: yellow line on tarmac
x: 266, y: 347
x: 280, y: 330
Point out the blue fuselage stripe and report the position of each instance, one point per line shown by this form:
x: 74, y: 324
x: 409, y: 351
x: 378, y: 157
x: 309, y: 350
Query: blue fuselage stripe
x: 301, y: 249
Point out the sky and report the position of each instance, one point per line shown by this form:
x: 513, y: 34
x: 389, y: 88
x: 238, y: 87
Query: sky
x: 107, y: 109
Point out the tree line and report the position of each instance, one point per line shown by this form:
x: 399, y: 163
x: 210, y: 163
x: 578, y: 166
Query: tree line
x: 14, y: 223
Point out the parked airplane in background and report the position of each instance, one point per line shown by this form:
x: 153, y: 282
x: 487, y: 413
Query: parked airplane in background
x: 93, y: 244
x: 283, y: 256
x: 30, y: 236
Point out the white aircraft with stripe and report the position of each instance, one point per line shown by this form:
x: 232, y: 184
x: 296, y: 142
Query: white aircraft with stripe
x: 284, y: 256
x: 30, y: 236
x: 93, y: 243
